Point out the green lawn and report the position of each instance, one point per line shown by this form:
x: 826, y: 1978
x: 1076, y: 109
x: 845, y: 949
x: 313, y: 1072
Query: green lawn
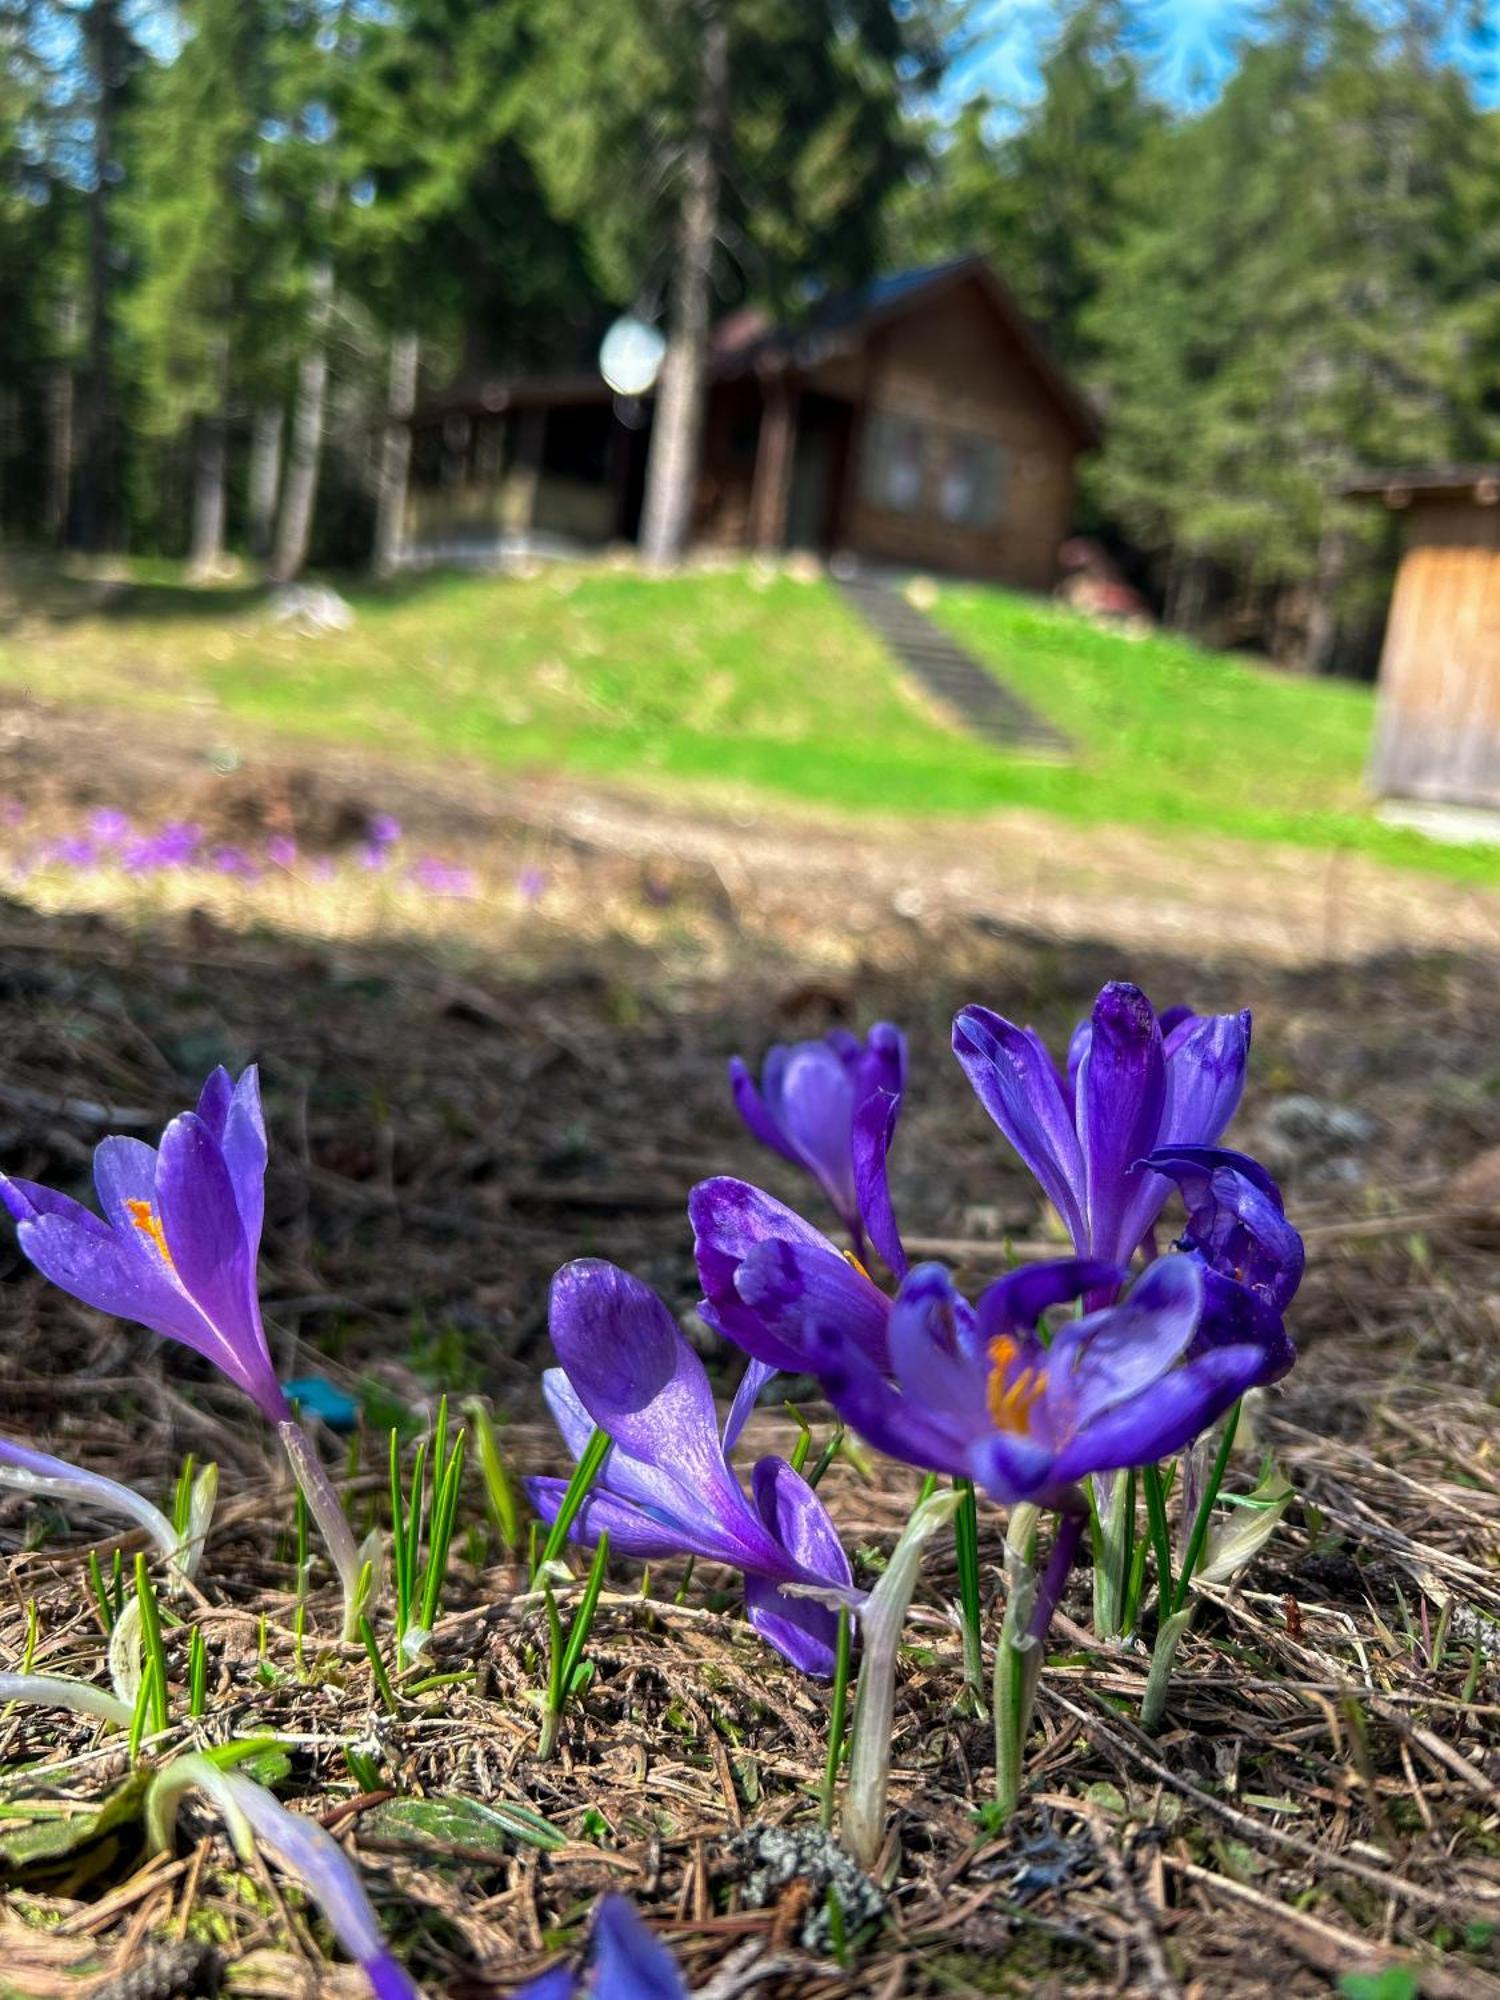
x: 732, y: 682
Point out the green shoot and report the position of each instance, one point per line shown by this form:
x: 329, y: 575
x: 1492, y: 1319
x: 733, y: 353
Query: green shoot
x: 422, y: 1530
x: 499, y: 1488
x: 362, y: 1768
x: 1205, y: 1509
x: 565, y: 1655
x: 377, y: 1666
x: 33, y: 1634
x: 103, y: 1602
x: 966, y: 1542
x: 803, y: 1445
x: 182, y: 1498
x: 585, y: 1472
x: 197, y: 1674
x: 826, y: 1457
x: 836, y: 1717
x: 153, y: 1647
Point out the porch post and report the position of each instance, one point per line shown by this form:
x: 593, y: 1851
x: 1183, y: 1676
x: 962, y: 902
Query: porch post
x: 774, y: 453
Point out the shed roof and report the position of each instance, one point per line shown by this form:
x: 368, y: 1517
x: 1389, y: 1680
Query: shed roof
x: 1403, y: 484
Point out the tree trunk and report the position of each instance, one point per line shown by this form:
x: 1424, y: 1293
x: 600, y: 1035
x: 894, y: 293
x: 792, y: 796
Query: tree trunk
x: 677, y: 431
x: 395, y: 454
x: 1321, y: 638
x: 206, y: 557
x: 265, y: 476
x: 59, y: 498
x: 94, y: 495
x: 294, y: 531
x: 210, y: 453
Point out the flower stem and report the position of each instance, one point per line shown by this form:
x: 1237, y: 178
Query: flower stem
x: 1030, y: 1603
x: 881, y: 1623
x: 327, y: 1510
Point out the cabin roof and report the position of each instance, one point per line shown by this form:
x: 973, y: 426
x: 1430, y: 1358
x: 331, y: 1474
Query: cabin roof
x: 749, y: 342
x: 1400, y: 485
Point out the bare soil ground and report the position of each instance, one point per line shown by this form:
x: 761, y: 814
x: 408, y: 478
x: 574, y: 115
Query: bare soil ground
x: 462, y: 1097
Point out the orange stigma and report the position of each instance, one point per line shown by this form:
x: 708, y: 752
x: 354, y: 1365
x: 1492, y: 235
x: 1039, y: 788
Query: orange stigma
x: 148, y: 1222
x: 1010, y: 1399
x: 851, y: 1258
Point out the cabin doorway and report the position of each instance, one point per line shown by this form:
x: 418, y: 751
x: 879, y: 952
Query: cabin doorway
x: 825, y: 434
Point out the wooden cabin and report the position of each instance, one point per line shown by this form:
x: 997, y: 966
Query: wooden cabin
x: 1437, y: 730
x: 919, y: 422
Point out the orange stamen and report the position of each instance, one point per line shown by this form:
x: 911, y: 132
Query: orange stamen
x: 148, y: 1222
x: 1010, y: 1399
x: 850, y: 1256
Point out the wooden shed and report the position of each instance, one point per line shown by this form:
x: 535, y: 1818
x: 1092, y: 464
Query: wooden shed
x: 920, y: 421
x: 1437, y: 731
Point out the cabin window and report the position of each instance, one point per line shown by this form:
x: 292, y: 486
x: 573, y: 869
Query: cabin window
x: 893, y: 463
x: 969, y: 481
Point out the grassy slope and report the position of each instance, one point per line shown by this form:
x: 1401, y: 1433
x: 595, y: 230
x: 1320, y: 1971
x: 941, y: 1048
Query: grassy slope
x: 728, y: 681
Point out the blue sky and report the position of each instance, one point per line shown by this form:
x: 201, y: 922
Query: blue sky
x: 1190, y: 45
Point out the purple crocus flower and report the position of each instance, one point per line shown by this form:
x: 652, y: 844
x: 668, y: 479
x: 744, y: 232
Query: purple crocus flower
x: 625, y: 1962
x: 830, y: 1107
x: 768, y: 1277
x: 1136, y: 1084
x: 531, y: 885
x: 176, y: 1251
x: 281, y: 851
x: 1237, y: 1229
x: 177, y: 1247
x: 385, y: 829
x: 980, y: 1393
x: 109, y: 826
x: 667, y: 1487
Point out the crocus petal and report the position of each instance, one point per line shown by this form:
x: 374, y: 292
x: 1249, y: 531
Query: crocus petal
x: 96, y: 1268
x: 27, y: 1200
x: 1166, y: 1417
x: 1206, y: 1057
x: 311, y: 1853
x: 214, y: 1100
x: 1236, y: 1221
x: 935, y: 1365
x: 200, y: 1220
x: 630, y: 1479
x: 874, y: 1128
x: 801, y: 1629
x: 757, y: 1118
x: 1111, y: 1356
x: 559, y: 1983
x: 893, y: 1423
x: 816, y: 1111
x: 1011, y: 1467
x: 1015, y: 1080
x: 1233, y: 1314
x: 125, y: 1172
x: 1016, y: 1302
x: 639, y: 1380
x: 882, y: 1064
x: 752, y: 1382
x: 633, y: 1531
x: 730, y: 1219
x: 1121, y: 1091
x: 627, y: 1961
x: 793, y: 1291
x: 245, y: 1154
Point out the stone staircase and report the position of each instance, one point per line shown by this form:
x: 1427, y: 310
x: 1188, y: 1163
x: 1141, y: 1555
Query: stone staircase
x: 953, y: 677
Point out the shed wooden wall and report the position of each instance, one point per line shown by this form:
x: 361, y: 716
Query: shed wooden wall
x: 957, y: 367
x: 1438, y: 727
